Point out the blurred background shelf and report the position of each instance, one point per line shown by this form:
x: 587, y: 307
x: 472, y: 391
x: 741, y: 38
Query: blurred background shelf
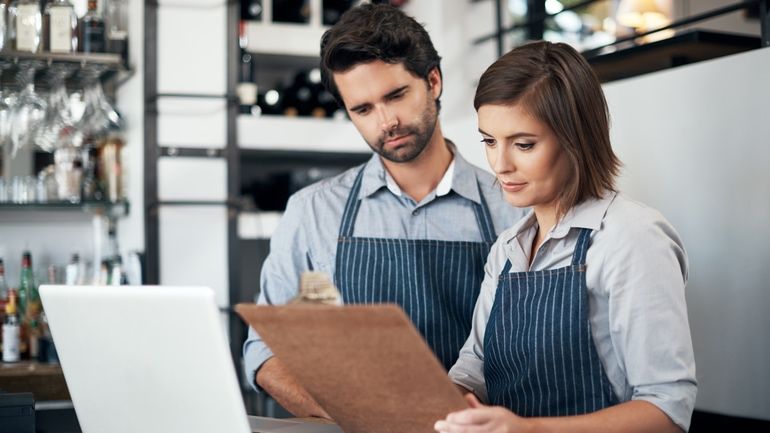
x: 116, y: 209
x: 686, y: 47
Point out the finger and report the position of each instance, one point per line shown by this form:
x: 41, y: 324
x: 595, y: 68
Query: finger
x: 473, y: 400
x: 444, y: 426
x: 470, y: 416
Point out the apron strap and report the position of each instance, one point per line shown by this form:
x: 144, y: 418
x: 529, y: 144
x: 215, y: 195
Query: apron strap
x: 506, y: 269
x: 581, y: 249
x: 484, y: 218
x: 351, y: 207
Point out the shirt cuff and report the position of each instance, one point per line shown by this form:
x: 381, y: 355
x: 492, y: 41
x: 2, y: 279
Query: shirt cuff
x: 255, y: 353
x: 676, y: 400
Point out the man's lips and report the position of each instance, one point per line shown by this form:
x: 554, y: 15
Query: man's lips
x: 396, y: 140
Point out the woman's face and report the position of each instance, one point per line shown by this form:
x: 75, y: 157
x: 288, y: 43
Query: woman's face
x: 525, y: 156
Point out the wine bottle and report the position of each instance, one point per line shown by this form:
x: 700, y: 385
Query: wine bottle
x: 92, y: 30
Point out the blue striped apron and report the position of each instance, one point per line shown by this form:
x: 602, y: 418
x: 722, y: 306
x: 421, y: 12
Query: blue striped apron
x: 435, y: 282
x: 539, y: 355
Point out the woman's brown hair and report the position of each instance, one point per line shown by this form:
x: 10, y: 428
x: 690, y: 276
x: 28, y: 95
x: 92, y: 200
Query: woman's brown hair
x: 555, y: 84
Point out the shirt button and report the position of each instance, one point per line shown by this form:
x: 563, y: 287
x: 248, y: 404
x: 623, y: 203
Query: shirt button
x: 415, y: 212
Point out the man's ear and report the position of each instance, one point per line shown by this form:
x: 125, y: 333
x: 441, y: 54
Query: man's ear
x: 435, y: 83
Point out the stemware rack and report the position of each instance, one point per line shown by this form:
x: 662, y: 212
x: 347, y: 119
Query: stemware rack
x: 110, y: 68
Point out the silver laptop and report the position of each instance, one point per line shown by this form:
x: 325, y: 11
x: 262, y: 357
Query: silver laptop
x: 150, y: 359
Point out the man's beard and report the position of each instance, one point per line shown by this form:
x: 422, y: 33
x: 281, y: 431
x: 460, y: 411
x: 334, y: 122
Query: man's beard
x: 419, y: 137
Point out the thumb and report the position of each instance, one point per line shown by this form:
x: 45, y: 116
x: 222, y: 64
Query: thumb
x: 472, y: 400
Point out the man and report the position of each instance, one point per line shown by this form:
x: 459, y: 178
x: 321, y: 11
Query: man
x: 412, y: 226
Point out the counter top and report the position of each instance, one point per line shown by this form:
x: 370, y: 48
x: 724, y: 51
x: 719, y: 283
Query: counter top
x: 44, y: 381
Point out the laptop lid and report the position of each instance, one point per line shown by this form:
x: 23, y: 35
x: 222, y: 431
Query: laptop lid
x: 145, y: 359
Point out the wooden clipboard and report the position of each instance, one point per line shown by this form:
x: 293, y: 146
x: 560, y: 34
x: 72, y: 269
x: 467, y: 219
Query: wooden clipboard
x: 366, y: 365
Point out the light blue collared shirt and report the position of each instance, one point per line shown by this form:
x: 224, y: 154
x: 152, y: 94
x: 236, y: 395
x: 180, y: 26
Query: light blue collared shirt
x: 306, y: 237
x: 636, y: 270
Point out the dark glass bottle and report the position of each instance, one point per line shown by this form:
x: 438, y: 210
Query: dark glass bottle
x: 92, y: 30
x: 291, y: 11
x: 251, y: 10
x: 333, y: 10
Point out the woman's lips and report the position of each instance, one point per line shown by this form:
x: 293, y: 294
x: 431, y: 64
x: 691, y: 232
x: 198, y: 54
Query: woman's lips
x: 513, y: 186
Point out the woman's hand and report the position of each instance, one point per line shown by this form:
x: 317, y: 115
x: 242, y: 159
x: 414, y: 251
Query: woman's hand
x: 482, y: 419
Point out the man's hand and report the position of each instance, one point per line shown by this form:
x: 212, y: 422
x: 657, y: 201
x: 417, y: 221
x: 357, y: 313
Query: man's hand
x: 276, y: 379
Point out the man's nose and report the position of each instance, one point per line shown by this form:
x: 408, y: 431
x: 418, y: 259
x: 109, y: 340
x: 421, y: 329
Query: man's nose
x: 388, y: 120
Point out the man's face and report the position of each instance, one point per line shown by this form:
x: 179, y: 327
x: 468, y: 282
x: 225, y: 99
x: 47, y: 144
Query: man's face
x: 393, y: 110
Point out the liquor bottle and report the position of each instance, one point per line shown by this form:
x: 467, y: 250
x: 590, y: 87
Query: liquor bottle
x: 3, y: 290
x: 117, y: 28
x: 26, y: 283
x: 73, y: 272
x: 27, y: 22
x: 11, y: 331
x: 60, y: 27
x: 92, y: 29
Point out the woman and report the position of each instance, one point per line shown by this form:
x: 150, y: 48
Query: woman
x: 581, y: 324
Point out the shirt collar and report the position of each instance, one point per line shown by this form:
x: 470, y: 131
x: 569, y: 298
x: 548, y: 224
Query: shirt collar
x: 588, y: 214
x: 459, y: 177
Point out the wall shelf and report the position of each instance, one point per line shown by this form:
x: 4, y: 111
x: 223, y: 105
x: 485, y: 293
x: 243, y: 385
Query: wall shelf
x: 686, y: 47
x: 282, y: 133
x: 117, y: 209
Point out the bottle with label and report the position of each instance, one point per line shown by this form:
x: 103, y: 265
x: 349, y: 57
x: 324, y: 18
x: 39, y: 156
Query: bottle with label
x: 60, y: 27
x: 27, y: 22
x: 117, y: 28
x: 92, y: 30
x: 11, y: 331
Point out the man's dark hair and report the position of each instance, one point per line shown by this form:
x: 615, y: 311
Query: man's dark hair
x: 372, y: 32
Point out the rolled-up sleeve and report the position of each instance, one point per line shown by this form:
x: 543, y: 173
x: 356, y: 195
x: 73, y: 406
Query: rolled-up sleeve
x: 646, y: 272
x: 279, y: 282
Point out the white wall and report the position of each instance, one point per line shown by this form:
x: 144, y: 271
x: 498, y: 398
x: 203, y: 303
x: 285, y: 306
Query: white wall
x: 695, y: 141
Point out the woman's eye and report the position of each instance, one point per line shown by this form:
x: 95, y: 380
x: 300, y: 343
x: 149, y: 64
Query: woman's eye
x: 525, y: 146
x: 488, y: 141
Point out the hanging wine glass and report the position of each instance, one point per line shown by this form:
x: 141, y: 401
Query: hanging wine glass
x: 58, y: 113
x: 6, y: 101
x: 99, y: 116
x: 28, y: 113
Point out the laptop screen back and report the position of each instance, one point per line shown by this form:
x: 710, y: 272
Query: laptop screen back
x: 145, y: 359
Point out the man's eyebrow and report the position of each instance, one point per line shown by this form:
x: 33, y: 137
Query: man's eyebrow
x: 395, y: 92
